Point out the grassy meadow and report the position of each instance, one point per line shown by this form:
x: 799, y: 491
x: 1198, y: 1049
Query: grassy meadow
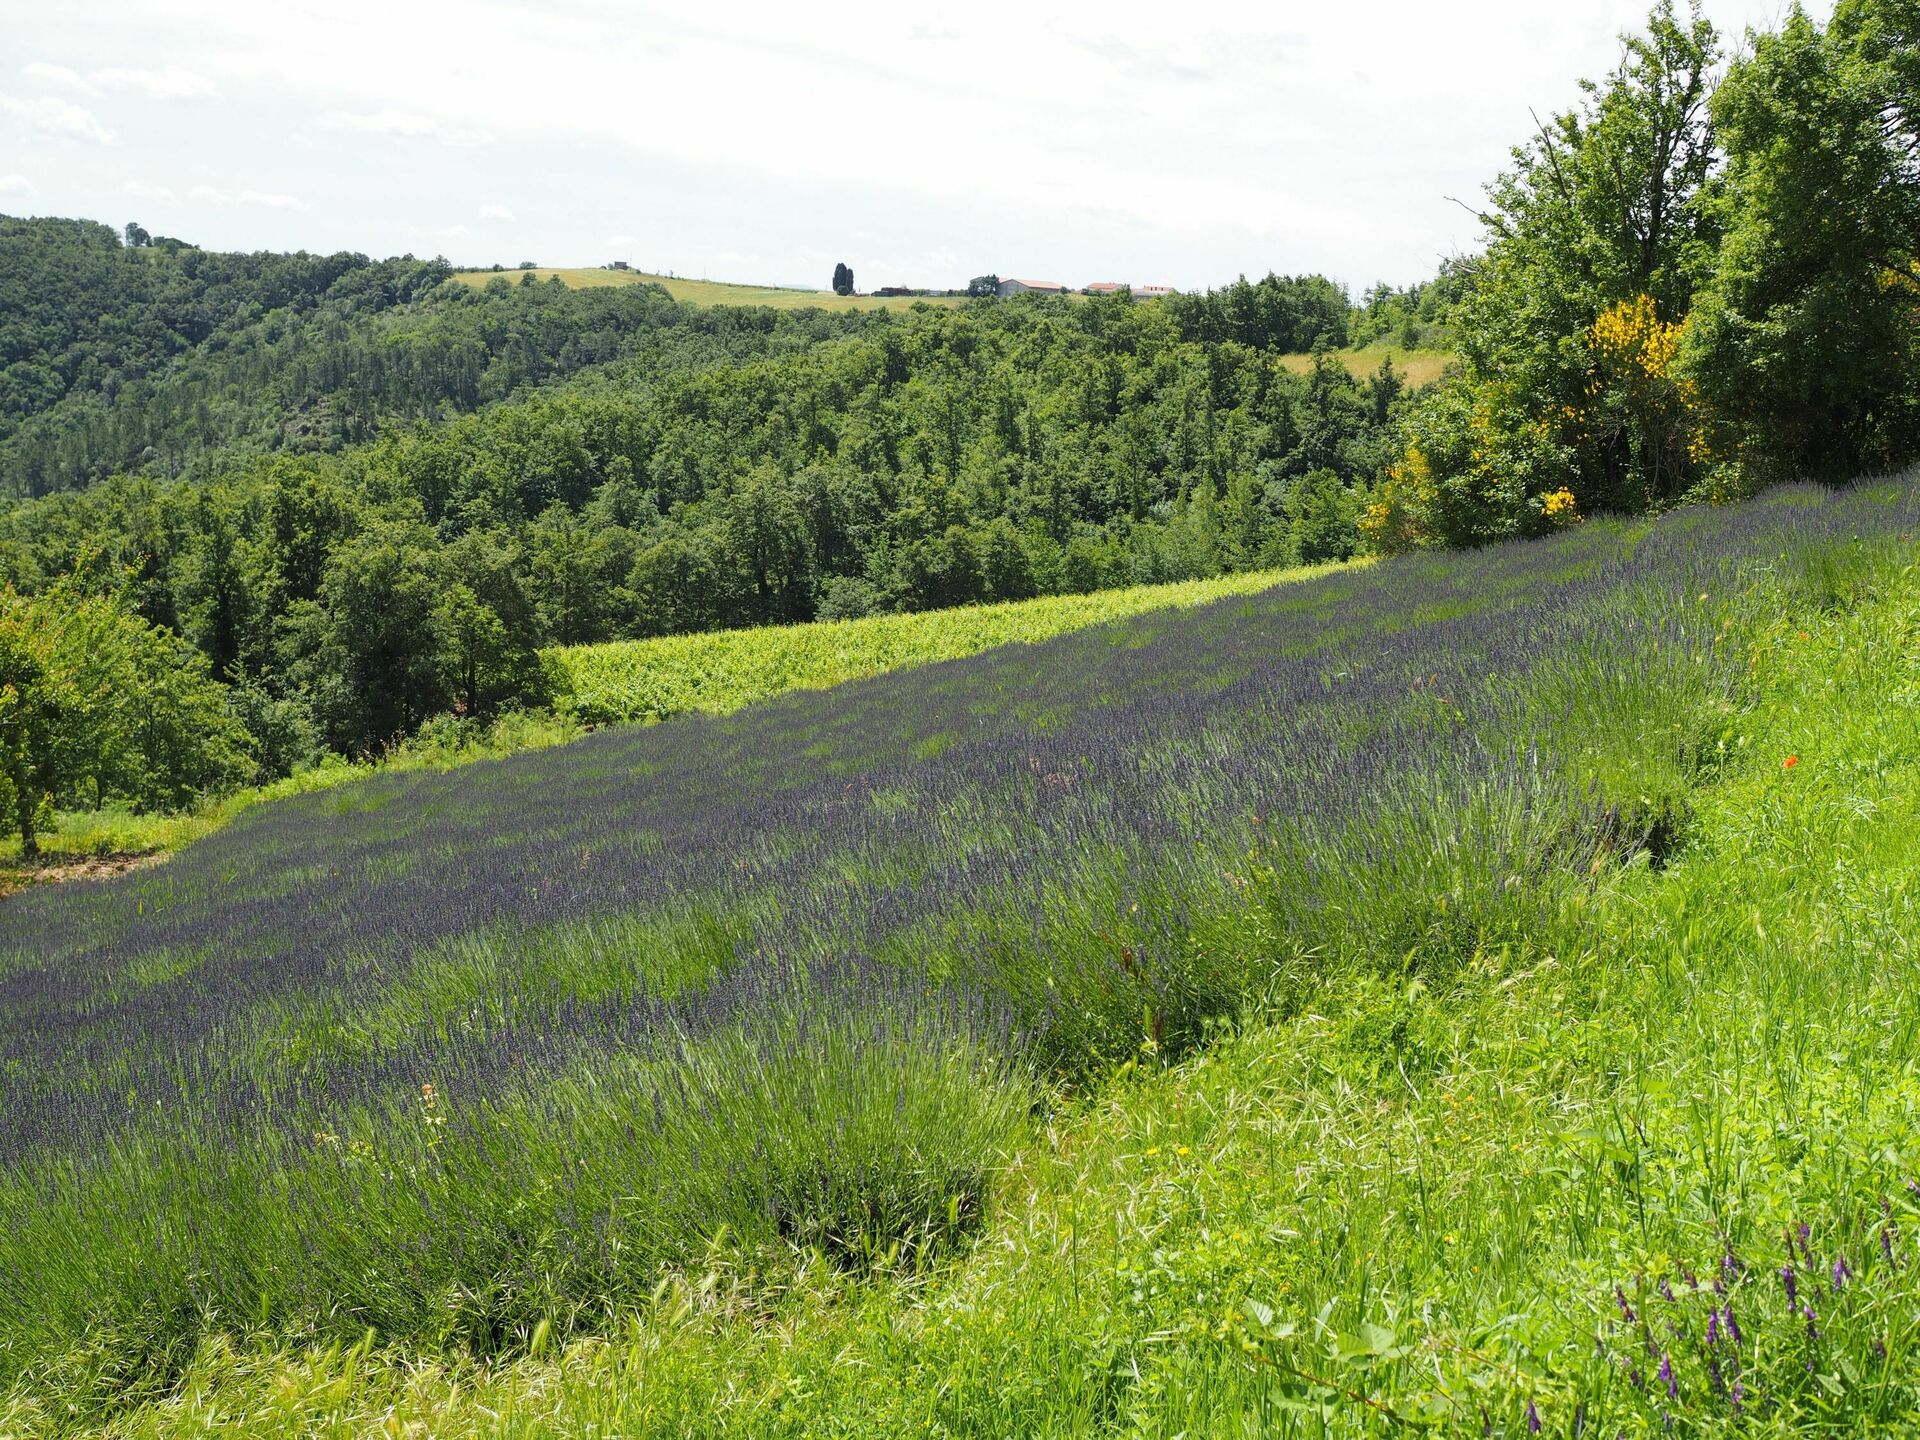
x: 711, y: 292
x: 720, y: 671
x: 1468, y: 993
x: 1416, y: 367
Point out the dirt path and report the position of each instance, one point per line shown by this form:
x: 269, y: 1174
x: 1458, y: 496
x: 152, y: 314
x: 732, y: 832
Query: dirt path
x: 17, y: 875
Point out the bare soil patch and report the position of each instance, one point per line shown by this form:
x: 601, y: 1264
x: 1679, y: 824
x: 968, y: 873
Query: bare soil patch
x: 16, y: 875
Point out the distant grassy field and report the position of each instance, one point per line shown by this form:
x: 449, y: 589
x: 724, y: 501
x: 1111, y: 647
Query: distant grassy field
x: 712, y: 292
x: 1420, y: 367
x: 650, y: 679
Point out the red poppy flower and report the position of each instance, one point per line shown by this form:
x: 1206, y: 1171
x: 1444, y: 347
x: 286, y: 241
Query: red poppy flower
x: 1790, y: 762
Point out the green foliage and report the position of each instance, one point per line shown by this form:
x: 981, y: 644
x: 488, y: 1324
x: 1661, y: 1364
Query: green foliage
x: 96, y: 705
x: 1686, y: 291
x: 1805, y: 340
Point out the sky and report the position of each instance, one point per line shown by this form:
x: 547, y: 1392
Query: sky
x: 1179, y: 144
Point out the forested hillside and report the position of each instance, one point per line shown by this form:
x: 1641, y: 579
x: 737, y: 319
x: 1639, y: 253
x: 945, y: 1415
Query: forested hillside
x: 161, y: 358
x: 749, y: 468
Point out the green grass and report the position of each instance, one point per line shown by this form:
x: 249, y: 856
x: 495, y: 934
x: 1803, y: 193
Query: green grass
x: 1417, y: 367
x: 628, y: 680
x: 1390, y: 1204
x: 712, y: 292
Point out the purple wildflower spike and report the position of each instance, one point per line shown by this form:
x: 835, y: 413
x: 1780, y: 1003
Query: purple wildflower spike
x: 1737, y: 1395
x: 1533, y: 1419
x: 1666, y: 1289
x: 1842, y: 1272
x: 1792, y: 1282
x: 1813, y: 1330
x: 1733, y: 1325
x: 1666, y: 1377
x: 1626, y: 1310
x: 1713, y: 1327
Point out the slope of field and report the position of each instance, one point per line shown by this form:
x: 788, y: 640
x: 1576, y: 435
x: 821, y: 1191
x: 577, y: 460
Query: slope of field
x: 1481, y: 978
x: 1416, y: 367
x: 710, y: 292
x: 635, y: 681
x: 721, y: 671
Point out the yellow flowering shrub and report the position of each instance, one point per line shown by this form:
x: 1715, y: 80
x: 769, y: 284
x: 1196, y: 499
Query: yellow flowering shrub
x: 1391, y: 524
x: 1560, y: 507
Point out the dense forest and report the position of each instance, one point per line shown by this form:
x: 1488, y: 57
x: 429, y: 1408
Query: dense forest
x: 726, y: 468
x: 359, y: 494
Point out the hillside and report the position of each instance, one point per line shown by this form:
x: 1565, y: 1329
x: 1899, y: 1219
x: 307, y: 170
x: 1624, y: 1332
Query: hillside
x: 624, y: 681
x: 1035, y: 1041
x: 710, y: 292
x: 652, y: 679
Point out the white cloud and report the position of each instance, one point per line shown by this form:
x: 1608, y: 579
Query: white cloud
x: 51, y: 115
x: 213, y: 196
x: 171, y: 82
x: 1119, y: 144
x: 455, y: 232
x: 495, y: 212
x: 406, y: 124
x: 168, y: 83
x: 15, y: 185
x: 53, y: 74
x: 160, y: 194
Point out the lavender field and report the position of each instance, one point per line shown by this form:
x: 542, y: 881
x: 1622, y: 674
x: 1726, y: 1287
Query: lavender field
x: 458, y: 1058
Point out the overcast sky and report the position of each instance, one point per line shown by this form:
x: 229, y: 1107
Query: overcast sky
x: 1178, y: 144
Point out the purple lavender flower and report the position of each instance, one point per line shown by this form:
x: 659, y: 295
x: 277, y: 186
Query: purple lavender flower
x: 1733, y: 1325
x: 1842, y: 1272
x: 1666, y: 1289
x: 1729, y: 1267
x: 1666, y: 1377
x: 1806, y: 1250
x: 1533, y: 1419
x: 1792, y: 1282
x: 1620, y: 1298
x: 1713, y: 1327
x: 1737, y: 1395
x: 1813, y: 1330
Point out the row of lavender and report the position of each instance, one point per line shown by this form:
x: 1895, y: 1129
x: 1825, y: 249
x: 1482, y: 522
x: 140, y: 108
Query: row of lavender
x: 817, y: 814
x: 1040, y: 857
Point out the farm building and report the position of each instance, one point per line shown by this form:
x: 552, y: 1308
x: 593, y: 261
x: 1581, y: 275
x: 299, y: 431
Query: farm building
x: 1038, y: 287
x: 1106, y: 287
x: 1152, y: 292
